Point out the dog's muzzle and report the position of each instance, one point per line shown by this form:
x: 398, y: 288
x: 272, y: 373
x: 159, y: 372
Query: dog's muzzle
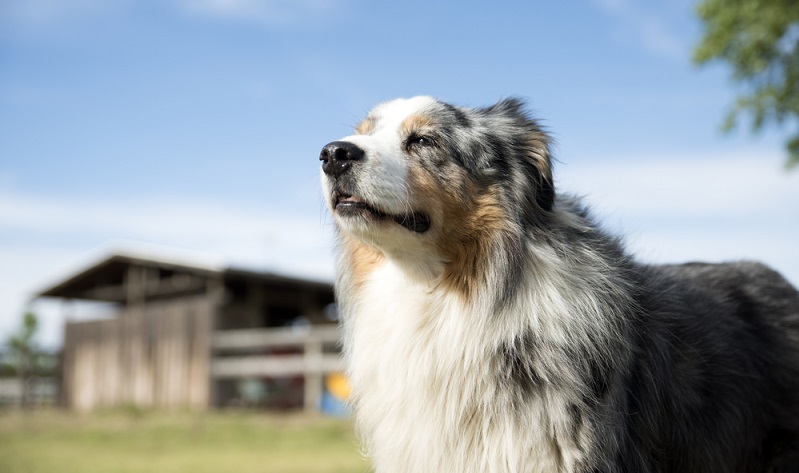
x: 337, y: 159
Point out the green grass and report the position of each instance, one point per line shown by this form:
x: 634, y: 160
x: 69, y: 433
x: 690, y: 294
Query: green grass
x: 152, y: 442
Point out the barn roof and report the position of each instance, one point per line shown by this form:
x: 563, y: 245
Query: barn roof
x: 106, y: 279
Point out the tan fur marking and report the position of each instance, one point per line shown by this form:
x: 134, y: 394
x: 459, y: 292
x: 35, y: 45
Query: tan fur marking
x: 414, y: 123
x: 363, y: 260
x: 536, y: 146
x: 471, y: 229
x: 365, y: 127
x: 472, y: 244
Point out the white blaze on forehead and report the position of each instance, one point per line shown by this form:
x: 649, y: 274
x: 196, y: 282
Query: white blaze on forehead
x: 383, y: 174
x: 392, y: 114
x: 387, y: 117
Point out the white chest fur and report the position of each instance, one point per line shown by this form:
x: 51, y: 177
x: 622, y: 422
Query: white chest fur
x: 427, y: 398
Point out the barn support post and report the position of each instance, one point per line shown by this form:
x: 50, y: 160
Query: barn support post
x: 67, y: 313
x: 217, y: 295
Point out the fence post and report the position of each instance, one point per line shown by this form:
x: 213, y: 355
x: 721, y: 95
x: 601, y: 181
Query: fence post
x: 313, y: 374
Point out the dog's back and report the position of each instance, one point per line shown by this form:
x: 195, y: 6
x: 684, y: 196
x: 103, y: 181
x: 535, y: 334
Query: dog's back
x: 716, y: 375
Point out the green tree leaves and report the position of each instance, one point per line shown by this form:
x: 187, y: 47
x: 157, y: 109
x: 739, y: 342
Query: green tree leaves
x: 760, y: 40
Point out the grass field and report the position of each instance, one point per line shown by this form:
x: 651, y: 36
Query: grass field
x: 151, y: 442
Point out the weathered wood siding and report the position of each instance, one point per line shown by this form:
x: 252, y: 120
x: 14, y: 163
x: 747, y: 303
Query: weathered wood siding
x: 153, y: 355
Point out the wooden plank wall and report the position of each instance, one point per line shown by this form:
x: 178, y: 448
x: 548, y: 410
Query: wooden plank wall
x: 154, y: 355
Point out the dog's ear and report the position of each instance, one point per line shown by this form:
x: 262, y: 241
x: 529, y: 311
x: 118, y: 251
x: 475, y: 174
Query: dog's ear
x: 542, y: 162
x: 533, y: 146
x: 538, y: 157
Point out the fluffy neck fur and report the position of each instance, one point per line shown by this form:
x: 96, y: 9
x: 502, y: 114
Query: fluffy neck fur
x: 446, y: 382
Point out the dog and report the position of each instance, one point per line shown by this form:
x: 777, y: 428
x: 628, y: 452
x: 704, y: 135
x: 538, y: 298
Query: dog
x: 490, y: 325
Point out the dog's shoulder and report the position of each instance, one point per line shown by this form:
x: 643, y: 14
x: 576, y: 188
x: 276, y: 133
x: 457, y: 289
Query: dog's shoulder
x: 743, y: 283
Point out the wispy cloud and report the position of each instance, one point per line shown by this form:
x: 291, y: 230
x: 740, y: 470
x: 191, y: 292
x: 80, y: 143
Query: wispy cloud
x: 245, y: 235
x: 686, y: 185
x: 15, y: 14
x: 32, y: 15
x: 271, y: 12
x: 639, y: 25
x: 689, y: 207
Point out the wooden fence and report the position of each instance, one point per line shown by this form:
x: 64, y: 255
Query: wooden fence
x: 313, y: 363
x: 43, y: 391
x: 154, y: 355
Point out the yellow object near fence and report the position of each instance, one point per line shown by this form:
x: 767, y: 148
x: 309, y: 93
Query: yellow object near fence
x: 339, y: 386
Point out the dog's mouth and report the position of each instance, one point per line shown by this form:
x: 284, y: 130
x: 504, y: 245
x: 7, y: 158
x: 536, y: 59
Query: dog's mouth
x: 350, y: 205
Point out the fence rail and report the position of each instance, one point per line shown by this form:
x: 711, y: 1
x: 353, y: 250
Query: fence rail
x: 313, y: 364
x: 274, y: 365
x: 274, y: 337
x: 43, y: 391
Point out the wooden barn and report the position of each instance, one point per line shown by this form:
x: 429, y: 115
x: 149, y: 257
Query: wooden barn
x: 194, y: 336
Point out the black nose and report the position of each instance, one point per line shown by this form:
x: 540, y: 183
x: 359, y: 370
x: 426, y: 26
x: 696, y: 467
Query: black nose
x: 338, y: 156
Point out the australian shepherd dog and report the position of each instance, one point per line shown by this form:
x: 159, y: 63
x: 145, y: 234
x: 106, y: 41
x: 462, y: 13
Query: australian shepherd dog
x: 491, y: 326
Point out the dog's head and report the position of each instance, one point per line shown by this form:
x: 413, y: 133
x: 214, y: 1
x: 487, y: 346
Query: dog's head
x: 420, y: 171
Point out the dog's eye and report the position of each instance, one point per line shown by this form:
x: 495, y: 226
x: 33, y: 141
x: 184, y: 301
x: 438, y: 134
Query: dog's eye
x: 418, y: 141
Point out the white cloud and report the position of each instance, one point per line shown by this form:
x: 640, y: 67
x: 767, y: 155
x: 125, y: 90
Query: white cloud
x: 688, y: 186
x: 171, y: 221
x: 696, y: 207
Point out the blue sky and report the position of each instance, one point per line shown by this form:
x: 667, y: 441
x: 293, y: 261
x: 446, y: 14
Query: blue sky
x: 196, y: 125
